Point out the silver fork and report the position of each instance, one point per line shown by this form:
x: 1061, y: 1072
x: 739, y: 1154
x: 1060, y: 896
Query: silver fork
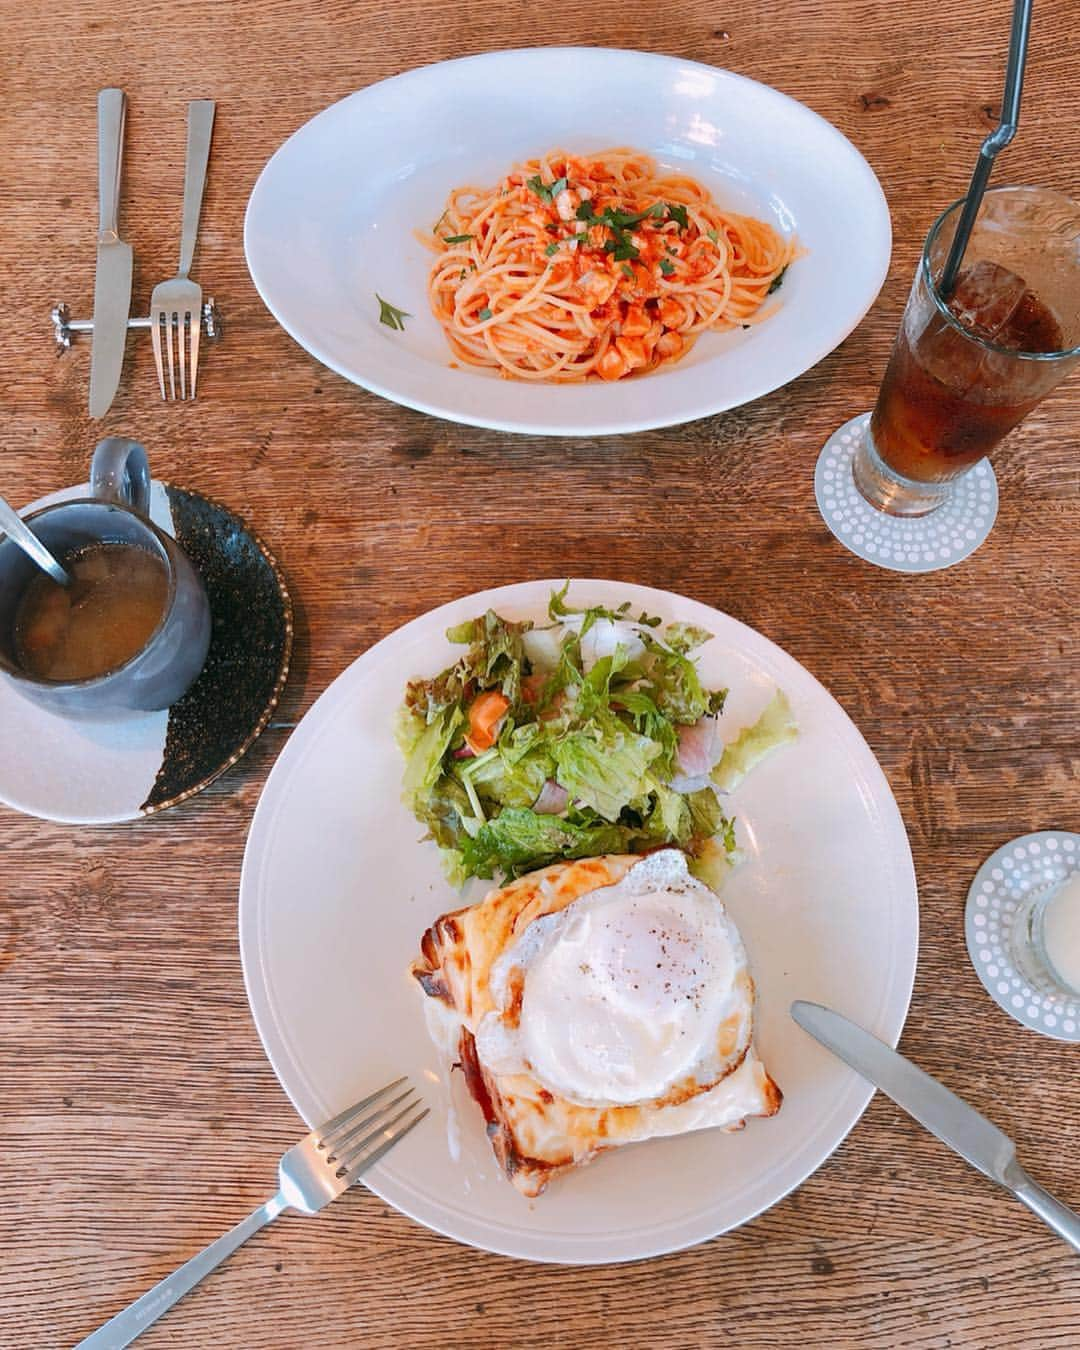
x: 178, y: 303
x: 310, y: 1175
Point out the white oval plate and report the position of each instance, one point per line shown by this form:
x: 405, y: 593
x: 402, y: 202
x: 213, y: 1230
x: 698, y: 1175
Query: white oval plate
x: 331, y: 221
x: 337, y: 889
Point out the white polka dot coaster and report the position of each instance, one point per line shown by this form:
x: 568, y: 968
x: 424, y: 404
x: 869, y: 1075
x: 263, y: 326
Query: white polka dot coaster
x: 1032, y: 862
x: 901, y: 543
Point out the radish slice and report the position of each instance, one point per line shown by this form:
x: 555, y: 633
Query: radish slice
x: 552, y: 800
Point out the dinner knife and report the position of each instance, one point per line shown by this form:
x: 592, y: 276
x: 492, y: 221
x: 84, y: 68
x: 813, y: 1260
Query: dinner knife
x: 112, y: 285
x: 938, y: 1110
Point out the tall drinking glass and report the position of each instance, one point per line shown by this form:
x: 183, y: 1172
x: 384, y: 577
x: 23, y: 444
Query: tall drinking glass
x: 966, y: 370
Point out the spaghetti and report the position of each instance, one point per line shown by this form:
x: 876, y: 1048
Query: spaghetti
x: 580, y: 266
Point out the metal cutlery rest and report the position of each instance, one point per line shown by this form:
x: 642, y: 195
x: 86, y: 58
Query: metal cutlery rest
x: 64, y: 327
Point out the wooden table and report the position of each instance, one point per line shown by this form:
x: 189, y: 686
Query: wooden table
x: 138, y: 1115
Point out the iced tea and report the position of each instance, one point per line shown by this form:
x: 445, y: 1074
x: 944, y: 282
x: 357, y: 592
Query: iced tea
x: 946, y: 402
x: 964, y: 373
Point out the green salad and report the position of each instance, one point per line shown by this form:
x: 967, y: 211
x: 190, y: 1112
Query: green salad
x: 590, y: 734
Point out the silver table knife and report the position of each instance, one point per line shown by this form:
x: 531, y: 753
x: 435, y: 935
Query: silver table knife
x: 112, y: 285
x: 940, y: 1111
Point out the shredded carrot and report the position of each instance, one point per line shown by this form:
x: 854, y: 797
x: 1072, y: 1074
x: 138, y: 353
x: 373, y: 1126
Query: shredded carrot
x: 485, y: 713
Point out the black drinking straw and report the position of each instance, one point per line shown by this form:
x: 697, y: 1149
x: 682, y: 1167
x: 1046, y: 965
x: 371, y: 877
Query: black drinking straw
x: 998, y: 139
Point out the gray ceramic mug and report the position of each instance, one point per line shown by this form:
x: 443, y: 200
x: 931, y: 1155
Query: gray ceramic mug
x: 116, y: 511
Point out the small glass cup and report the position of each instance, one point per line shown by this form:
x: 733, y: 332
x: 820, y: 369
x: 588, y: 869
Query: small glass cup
x: 952, y: 391
x: 1045, y: 938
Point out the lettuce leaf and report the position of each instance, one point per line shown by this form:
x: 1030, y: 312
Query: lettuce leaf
x: 707, y: 818
x: 408, y: 728
x: 559, y: 609
x: 518, y: 840
x: 650, y: 721
x: 685, y: 637
x: 605, y: 764
x: 495, y: 660
x: 713, y: 864
x: 675, y: 686
x: 424, y: 765
x: 503, y: 778
x: 454, y: 867
x: 669, y: 820
x: 445, y: 810
x: 776, y: 726
x: 594, y: 691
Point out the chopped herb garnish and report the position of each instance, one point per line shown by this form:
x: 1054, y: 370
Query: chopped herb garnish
x: 620, y: 223
x: 551, y: 249
x: 435, y: 228
x: 457, y: 238
x: 391, y: 315
x: 485, y: 313
x: 464, y: 274
x: 624, y: 220
x: 547, y: 192
x: 777, y: 281
x: 666, y: 267
x: 713, y: 236
x: 628, y: 271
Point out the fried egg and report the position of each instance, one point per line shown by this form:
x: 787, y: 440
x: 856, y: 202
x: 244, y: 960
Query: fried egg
x: 599, y: 1002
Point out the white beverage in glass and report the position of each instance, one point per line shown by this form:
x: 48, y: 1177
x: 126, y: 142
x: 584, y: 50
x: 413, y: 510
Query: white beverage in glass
x: 1058, y: 927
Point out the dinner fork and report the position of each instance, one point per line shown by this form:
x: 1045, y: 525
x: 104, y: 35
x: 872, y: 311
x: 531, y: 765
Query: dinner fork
x: 179, y: 302
x: 310, y: 1175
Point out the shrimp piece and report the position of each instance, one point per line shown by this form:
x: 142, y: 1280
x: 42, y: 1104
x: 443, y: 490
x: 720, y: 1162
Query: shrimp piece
x: 644, y: 280
x: 567, y: 203
x: 612, y: 365
x: 672, y: 314
x: 670, y: 346
x: 597, y: 287
x: 636, y: 322
x: 653, y: 336
x: 633, y: 352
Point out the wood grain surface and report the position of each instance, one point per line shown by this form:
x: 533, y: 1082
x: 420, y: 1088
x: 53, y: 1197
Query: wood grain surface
x: 138, y: 1116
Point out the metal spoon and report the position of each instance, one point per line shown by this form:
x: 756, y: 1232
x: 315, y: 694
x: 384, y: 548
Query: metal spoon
x: 20, y: 533
x: 998, y: 139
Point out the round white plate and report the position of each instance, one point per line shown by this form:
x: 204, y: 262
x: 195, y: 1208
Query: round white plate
x: 331, y: 221
x: 337, y: 889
